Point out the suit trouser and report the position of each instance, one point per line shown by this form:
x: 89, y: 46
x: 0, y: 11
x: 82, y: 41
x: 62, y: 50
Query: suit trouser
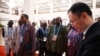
x: 54, y: 54
x: 43, y: 48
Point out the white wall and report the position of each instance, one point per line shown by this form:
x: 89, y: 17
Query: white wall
x: 46, y: 16
x: 49, y: 16
x: 97, y: 13
x: 6, y: 18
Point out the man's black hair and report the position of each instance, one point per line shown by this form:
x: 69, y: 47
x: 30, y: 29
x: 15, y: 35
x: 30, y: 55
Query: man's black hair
x: 80, y: 7
x: 25, y: 15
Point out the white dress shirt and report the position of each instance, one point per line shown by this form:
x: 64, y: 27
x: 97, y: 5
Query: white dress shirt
x: 85, y: 31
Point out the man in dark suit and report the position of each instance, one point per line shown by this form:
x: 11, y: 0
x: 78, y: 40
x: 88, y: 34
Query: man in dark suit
x: 41, y: 35
x: 56, y: 41
x: 27, y: 39
x: 81, y: 19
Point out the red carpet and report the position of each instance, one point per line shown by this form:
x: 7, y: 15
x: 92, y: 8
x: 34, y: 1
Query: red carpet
x: 2, y: 51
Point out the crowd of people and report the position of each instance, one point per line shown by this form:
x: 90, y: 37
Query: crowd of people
x: 81, y: 37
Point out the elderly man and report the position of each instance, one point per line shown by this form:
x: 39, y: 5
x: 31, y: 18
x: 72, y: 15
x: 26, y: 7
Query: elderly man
x: 80, y: 17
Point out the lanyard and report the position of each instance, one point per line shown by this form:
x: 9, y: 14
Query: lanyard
x: 10, y: 31
x: 23, y: 30
x: 44, y: 32
x: 57, y: 30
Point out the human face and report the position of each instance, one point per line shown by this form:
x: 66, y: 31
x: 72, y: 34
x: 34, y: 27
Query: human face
x: 20, y: 22
x: 58, y: 21
x: 23, y: 19
x: 76, y: 22
x: 10, y: 23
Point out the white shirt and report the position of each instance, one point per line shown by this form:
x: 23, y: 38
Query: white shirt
x: 85, y: 31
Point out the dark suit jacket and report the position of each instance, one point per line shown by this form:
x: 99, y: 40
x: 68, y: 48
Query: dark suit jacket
x: 40, y: 34
x: 90, y: 46
x: 58, y: 46
x: 28, y: 36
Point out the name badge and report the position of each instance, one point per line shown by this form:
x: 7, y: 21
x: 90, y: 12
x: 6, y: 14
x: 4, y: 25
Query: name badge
x: 68, y: 42
x: 54, y: 38
x: 21, y: 39
x: 45, y: 39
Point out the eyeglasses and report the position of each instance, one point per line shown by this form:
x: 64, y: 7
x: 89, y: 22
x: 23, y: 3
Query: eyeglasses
x: 73, y: 22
